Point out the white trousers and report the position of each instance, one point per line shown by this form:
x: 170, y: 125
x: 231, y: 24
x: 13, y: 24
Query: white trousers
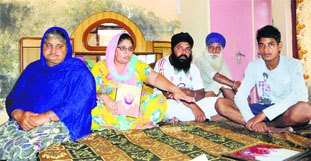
x: 184, y: 113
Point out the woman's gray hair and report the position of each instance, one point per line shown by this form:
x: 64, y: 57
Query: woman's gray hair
x: 56, y: 34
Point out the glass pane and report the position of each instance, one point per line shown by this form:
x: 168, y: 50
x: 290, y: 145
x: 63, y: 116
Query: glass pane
x: 102, y: 34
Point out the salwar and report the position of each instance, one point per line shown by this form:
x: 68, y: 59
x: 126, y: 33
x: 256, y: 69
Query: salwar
x: 152, y: 108
x: 184, y: 113
x: 17, y: 144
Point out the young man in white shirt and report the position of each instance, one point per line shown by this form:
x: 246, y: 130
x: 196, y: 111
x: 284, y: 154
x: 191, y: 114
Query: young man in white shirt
x: 283, y: 95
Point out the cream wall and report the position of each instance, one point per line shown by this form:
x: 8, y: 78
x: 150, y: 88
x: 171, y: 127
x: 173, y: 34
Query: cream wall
x: 195, y: 19
x: 3, y: 116
x: 282, y: 19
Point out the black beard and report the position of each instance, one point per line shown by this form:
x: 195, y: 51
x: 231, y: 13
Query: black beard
x: 181, y: 64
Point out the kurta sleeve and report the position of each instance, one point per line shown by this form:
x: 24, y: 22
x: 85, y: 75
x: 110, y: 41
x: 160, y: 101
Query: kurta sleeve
x: 13, y: 100
x: 159, y: 68
x: 197, y: 80
x: 98, y: 73
x: 143, y: 70
x: 298, y: 92
x: 240, y: 98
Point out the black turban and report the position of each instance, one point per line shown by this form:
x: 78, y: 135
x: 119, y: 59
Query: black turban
x: 181, y: 37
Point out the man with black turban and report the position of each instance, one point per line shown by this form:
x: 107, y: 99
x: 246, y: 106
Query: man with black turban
x: 215, y: 72
x: 179, y: 69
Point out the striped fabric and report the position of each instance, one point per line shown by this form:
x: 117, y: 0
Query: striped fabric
x: 181, y: 141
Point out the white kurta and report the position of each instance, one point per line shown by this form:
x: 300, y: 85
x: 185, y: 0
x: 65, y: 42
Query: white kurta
x: 208, y: 73
x: 191, y: 80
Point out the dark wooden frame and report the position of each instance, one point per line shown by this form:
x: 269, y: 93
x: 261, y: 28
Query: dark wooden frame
x: 294, y: 32
x: 97, y: 23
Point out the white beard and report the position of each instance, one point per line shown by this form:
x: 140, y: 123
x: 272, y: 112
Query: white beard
x: 215, y: 60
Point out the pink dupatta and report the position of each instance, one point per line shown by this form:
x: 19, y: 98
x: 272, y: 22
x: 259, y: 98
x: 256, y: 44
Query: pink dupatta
x: 128, y: 75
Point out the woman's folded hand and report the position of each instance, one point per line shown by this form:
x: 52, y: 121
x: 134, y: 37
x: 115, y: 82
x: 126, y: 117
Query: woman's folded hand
x: 24, y: 119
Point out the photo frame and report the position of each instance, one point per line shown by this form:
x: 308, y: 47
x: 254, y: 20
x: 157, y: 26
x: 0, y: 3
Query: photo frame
x: 266, y: 151
x: 128, y: 99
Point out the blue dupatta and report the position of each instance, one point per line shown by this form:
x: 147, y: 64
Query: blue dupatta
x: 68, y: 89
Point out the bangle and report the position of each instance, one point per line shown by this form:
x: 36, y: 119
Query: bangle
x: 99, y: 98
x: 49, y: 114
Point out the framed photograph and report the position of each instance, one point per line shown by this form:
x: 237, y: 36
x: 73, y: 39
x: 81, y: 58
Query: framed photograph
x: 261, y: 151
x: 128, y: 99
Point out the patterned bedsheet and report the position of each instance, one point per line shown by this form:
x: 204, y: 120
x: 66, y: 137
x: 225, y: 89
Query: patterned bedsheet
x: 180, y: 141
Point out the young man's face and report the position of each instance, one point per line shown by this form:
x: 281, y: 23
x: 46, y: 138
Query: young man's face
x: 269, y: 49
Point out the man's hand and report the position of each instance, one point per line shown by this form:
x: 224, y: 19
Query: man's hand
x: 197, y: 111
x: 196, y: 94
x: 24, y: 119
x: 198, y: 114
x: 260, y: 127
x: 187, y: 92
x: 236, y: 85
x: 255, y: 120
x: 180, y: 95
x: 168, y: 95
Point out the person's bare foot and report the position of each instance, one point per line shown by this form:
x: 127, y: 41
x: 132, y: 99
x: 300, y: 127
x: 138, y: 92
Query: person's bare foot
x: 281, y: 130
x: 173, y: 120
x: 219, y: 118
x: 150, y: 124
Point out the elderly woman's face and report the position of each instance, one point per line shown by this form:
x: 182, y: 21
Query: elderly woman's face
x: 124, y: 52
x: 54, y: 51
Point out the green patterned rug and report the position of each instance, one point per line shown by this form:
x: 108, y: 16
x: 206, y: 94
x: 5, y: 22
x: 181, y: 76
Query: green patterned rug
x: 180, y: 141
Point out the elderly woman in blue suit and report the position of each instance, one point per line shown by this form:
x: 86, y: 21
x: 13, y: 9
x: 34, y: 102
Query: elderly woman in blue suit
x: 51, y: 101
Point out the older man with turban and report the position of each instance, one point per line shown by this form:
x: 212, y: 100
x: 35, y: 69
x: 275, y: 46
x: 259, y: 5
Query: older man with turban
x: 215, y: 72
x: 179, y: 69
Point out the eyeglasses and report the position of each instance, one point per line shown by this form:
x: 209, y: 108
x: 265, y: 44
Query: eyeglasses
x: 123, y: 48
x: 187, y: 49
